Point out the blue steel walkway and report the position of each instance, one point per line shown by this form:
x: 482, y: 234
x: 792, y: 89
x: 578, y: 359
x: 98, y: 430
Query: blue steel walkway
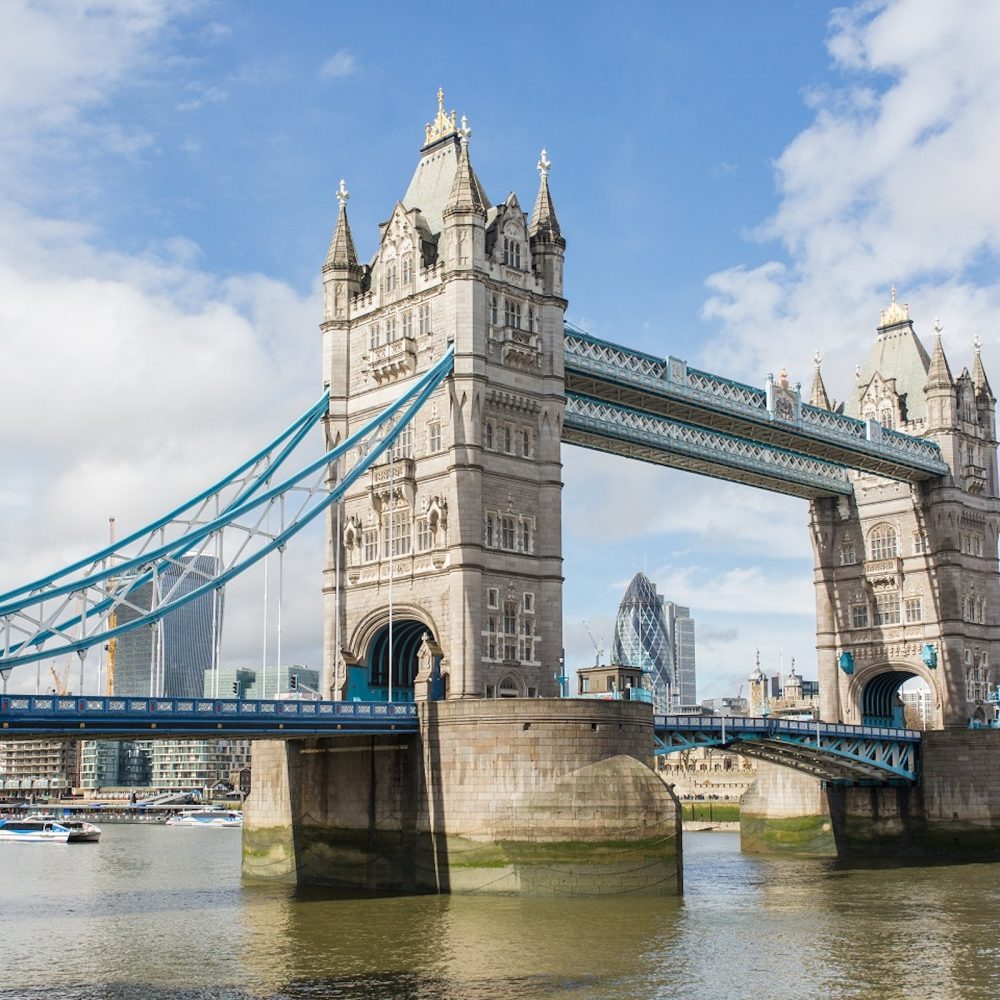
x: 26, y: 717
x: 619, y: 398
x: 828, y: 750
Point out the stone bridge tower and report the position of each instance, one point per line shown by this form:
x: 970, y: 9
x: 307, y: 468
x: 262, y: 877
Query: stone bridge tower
x: 906, y: 577
x: 449, y: 569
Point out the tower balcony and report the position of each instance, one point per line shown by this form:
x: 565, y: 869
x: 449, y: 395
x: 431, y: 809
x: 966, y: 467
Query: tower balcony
x: 975, y: 478
x: 394, y: 480
x: 517, y: 348
x: 396, y: 359
x: 884, y: 573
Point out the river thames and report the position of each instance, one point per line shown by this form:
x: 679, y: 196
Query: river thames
x: 159, y: 912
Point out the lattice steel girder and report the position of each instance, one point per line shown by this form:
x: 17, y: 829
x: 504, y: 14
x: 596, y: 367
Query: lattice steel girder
x: 620, y: 430
x: 669, y: 388
x: 832, y: 751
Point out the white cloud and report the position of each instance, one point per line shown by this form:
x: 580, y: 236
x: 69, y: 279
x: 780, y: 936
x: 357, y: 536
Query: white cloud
x: 341, y: 63
x: 889, y: 183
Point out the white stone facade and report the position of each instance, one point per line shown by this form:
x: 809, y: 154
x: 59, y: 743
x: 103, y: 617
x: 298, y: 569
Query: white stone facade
x: 465, y: 513
x: 906, y: 577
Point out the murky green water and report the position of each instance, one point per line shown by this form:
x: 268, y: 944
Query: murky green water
x: 157, y: 912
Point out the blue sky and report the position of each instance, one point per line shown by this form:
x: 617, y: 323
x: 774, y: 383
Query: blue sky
x: 739, y: 185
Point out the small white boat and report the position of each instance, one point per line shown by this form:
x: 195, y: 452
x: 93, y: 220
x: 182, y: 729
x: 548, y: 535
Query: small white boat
x: 33, y: 831
x: 80, y: 831
x: 222, y: 818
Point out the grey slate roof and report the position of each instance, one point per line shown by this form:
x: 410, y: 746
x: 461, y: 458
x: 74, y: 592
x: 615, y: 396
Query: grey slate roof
x: 432, y: 182
x: 896, y: 354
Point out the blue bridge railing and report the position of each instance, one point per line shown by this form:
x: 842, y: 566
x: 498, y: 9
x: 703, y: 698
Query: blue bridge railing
x: 151, y: 718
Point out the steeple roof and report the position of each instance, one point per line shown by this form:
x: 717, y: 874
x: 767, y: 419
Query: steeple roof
x: 938, y: 372
x: 544, y: 224
x: 466, y: 194
x: 342, y: 252
x: 818, y: 396
x: 896, y: 354
x: 979, y: 379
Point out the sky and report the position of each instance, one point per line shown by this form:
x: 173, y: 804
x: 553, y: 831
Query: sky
x: 739, y: 186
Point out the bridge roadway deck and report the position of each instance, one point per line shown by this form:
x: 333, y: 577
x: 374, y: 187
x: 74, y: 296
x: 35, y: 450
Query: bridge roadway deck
x: 82, y: 716
x: 667, y: 388
x: 831, y: 751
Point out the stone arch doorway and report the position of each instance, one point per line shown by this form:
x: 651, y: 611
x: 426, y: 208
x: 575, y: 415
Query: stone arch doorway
x: 881, y: 704
x: 407, y: 635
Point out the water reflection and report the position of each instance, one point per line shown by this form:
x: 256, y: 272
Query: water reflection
x: 152, y: 912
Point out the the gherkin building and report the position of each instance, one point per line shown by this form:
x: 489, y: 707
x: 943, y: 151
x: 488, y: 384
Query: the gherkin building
x: 642, y: 639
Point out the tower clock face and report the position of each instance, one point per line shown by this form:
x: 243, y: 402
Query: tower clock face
x: 784, y: 408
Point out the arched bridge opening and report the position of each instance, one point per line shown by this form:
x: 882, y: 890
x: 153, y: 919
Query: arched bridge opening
x: 393, y: 649
x: 881, y: 703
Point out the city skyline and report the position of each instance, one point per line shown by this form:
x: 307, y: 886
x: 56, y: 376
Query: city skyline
x: 181, y: 167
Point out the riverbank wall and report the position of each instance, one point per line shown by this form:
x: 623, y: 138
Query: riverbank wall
x: 539, y: 796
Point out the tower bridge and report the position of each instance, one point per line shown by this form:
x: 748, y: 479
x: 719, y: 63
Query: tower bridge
x: 453, y: 381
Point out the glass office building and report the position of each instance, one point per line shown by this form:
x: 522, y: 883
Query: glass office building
x: 642, y: 639
x: 680, y: 624
x: 170, y: 658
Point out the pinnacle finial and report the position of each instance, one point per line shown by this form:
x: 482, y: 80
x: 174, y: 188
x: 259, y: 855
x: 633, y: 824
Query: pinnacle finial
x: 544, y: 165
x: 443, y: 124
x: 937, y: 326
x: 892, y: 294
x: 342, y: 193
x: 464, y: 133
x: 817, y: 359
x: 976, y: 343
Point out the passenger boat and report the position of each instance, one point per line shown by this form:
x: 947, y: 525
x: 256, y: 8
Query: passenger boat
x: 31, y: 831
x: 80, y: 831
x: 222, y: 818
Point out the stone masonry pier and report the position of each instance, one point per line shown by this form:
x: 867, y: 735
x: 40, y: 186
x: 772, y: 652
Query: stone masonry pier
x: 540, y: 796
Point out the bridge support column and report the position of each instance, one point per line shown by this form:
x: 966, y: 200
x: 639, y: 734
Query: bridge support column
x: 785, y: 812
x: 533, y: 796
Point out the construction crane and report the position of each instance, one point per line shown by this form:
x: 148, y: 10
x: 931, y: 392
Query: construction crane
x: 61, y: 682
x: 109, y: 670
x: 598, y: 646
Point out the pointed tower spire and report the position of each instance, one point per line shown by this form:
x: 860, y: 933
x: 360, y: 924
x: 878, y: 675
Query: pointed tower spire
x: 544, y: 224
x: 466, y: 194
x: 818, y: 396
x: 938, y: 374
x: 342, y: 252
x: 979, y: 379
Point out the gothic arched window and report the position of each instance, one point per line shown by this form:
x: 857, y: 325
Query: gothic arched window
x: 487, y: 435
x: 882, y: 542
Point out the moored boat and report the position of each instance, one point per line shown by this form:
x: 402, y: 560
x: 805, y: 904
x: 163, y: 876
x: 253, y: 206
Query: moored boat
x: 221, y: 818
x: 80, y: 831
x: 31, y: 831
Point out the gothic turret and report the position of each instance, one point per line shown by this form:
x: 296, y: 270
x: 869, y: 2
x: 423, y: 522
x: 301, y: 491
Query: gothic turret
x: 548, y: 248
x: 818, y: 396
x: 979, y: 379
x: 465, y: 213
x: 341, y: 282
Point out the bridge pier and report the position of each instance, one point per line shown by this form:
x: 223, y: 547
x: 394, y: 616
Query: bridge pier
x: 953, y: 813
x: 533, y: 796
